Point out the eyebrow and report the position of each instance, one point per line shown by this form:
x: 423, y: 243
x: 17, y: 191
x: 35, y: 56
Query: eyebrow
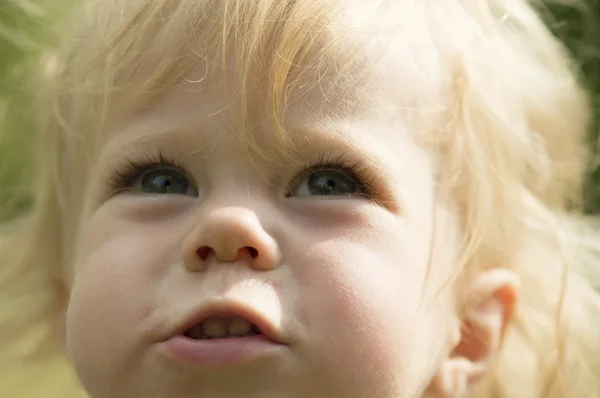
x: 140, y: 136
x: 344, y: 135
x: 337, y: 134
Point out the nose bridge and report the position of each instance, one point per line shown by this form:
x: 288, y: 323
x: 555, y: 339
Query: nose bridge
x: 230, y: 234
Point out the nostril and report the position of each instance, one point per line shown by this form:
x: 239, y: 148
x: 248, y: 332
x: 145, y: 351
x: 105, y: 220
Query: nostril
x: 252, y: 251
x: 204, y: 252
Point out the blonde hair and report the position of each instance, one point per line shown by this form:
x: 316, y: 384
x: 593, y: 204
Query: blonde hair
x: 510, y: 139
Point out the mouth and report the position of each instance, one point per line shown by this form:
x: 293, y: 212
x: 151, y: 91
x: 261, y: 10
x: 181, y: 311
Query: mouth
x: 229, y: 321
x: 222, y: 335
x: 222, y: 328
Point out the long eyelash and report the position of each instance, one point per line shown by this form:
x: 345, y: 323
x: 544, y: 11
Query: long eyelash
x: 124, y: 176
x: 364, y: 176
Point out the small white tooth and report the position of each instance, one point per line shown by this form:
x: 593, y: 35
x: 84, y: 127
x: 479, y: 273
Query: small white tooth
x: 239, y: 327
x: 214, y: 328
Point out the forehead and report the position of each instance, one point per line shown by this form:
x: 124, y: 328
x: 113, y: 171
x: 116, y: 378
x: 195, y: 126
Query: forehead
x: 321, y: 50
x: 369, y: 57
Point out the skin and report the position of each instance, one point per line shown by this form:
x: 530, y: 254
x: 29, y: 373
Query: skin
x: 350, y: 284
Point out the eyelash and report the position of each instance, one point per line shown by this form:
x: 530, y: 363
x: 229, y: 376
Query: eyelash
x: 125, y: 176
x: 362, y: 175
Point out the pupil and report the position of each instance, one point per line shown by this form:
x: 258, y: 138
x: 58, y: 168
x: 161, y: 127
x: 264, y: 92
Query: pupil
x: 325, y: 184
x: 164, y: 182
x: 331, y: 183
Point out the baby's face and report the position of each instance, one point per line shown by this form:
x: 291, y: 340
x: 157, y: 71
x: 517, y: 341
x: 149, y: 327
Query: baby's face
x: 203, y: 271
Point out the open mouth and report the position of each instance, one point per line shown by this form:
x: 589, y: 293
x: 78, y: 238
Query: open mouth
x: 224, y: 333
x: 222, y: 328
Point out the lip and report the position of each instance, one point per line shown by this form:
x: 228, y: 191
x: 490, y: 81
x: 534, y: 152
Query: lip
x: 230, y: 310
x: 225, y: 351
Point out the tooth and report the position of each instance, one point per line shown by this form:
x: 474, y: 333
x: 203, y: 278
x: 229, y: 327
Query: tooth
x: 214, y: 328
x: 239, y: 327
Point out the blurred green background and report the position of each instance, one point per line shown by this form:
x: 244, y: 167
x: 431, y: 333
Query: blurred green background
x: 26, y: 28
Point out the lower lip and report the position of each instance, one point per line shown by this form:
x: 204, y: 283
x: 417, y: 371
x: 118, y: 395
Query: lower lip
x: 228, y: 351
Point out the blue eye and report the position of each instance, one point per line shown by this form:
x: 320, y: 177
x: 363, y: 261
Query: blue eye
x: 164, y: 181
x: 326, y: 183
x: 154, y: 175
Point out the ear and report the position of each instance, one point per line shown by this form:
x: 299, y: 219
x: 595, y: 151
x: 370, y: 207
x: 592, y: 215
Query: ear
x: 489, y: 309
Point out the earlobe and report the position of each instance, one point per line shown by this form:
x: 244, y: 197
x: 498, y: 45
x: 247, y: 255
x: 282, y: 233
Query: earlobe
x: 454, y: 377
x: 489, y: 310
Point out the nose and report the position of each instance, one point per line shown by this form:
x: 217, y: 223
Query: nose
x: 230, y: 234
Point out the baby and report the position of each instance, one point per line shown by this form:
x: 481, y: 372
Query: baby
x: 304, y: 199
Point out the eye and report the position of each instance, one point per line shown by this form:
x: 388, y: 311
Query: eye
x: 334, y: 177
x: 164, y: 181
x: 156, y: 174
x: 325, y: 183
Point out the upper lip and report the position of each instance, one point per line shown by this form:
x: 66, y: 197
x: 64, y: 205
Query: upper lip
x: 231, y: 309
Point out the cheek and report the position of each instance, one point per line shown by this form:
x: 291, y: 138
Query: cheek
x: 101, y: 327
x: 363, y: 294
